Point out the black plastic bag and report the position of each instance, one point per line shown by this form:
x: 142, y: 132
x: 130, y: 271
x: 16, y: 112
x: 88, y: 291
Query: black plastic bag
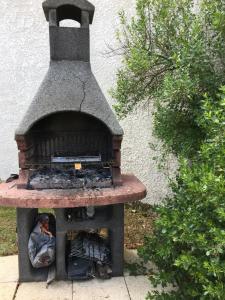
x: 41, y: 245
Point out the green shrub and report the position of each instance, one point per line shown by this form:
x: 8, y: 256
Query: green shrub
x: 175, y: 57
x: 188, y: 244
x: 172, y: 57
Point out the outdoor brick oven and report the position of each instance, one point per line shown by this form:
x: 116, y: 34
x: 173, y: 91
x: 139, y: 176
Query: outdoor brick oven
x: 70, y: 130
x: 69, y: 116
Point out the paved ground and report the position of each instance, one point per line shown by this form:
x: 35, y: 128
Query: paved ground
x: 121, y: 288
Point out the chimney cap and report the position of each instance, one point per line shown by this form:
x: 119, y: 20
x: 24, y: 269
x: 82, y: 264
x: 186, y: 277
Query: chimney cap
x: 82, y: 5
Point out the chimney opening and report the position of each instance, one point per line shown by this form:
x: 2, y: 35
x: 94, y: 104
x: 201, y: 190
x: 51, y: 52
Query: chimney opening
x: 68, y: 12
x: 69, y: 23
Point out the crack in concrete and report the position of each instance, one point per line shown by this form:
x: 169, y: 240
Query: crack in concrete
x: 84, y: 90
x: 129, y: 295
x: 16, y: 290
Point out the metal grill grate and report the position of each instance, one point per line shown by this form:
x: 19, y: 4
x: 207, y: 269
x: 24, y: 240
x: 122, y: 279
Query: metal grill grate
x: 68, y: 144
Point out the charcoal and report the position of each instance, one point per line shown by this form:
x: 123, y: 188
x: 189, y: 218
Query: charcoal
x: 90, y: 246
x: 80, y: 269
x: 95, y: 183
x: 55, y: 182
x: 47, y: 178
x: 12, y: 177
x: 103, y: 271
x: 89, y: 249
x: 80, y: 213
x: 90, y: 212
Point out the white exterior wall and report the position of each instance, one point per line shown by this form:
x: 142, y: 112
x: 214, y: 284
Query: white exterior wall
x: 24, y: 59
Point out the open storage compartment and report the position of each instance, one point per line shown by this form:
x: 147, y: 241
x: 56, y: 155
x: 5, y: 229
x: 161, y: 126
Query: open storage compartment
x: 110, y: 218
x: 88, y: 254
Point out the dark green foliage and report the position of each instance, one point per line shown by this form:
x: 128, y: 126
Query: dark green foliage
x: 188, y: 244
x: 172, y: 56
x: 136, y: 269
x: 175, y: 57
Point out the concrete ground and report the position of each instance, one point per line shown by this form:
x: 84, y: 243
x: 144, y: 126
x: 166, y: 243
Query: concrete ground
x: 121, y: 288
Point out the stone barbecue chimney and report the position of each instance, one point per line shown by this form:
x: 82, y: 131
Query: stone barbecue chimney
x: 69, y: 113
x: 69, y: 43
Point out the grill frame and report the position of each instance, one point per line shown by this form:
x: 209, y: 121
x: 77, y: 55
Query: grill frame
x: 66, y: 134
x: 45, y: 145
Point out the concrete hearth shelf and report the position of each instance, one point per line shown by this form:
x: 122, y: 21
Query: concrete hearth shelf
x: 131, y: 190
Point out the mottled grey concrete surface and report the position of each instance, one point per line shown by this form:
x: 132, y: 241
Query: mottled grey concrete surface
x: 24, y: 61
x: 69, y: 86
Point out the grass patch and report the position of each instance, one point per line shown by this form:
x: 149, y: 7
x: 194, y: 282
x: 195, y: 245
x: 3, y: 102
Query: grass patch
x: 139, y: 219
x: 8, y: 244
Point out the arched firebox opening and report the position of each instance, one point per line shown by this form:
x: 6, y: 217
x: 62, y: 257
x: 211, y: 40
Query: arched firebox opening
x: 67, y: 150
x: 69, y: 134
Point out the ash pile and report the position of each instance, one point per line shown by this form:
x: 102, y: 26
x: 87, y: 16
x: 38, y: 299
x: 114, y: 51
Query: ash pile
x: 89, y: 257
x: 53, y: 178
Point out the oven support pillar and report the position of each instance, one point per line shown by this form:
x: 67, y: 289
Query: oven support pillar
x: 61, y: 240
x: 25, y: 222
x: 116, y: 237
x: 61, y: 273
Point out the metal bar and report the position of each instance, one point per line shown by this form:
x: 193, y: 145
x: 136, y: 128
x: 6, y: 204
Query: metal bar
x: 74, y: 159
